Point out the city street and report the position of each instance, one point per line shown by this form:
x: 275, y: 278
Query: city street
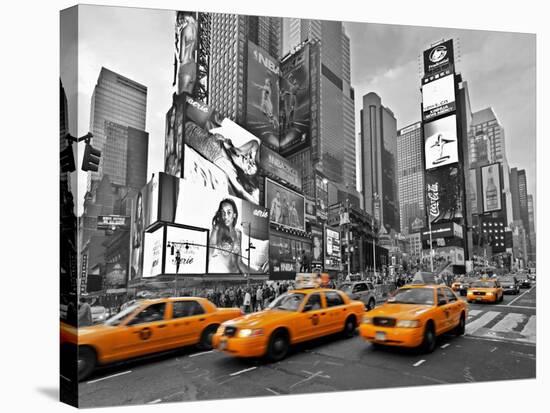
x: 499, y: 344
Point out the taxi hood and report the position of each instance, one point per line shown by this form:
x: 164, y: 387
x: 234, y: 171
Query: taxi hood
x: 401, y: 311
x: 261, y: 318
x: 93, y: 330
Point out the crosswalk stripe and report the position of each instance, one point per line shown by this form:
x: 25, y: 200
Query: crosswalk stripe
x: 530, y: 329
x: 474, y: 312
x: 471, y: 327
x: 509, y: 322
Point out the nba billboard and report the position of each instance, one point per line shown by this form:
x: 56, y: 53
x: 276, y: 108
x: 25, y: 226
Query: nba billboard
x: 262, y: 108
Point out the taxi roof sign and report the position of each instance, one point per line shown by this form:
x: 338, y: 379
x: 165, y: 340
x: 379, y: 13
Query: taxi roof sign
x: 311, y: 280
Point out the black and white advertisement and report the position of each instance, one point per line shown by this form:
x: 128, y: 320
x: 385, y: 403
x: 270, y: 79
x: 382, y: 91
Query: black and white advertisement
x: 439, y: 57
x: 441, y: 143
x: 317, y: 246
x: 287, y: 207
x: 443, y: 194
x: 438, y: 97
x: 186, y: 251
x: 152, y: 253
x: 262, y: 114
x: 333, y: 256
x: 491, y: 190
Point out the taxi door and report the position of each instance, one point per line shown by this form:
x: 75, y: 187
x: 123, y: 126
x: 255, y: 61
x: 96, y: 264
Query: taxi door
x: 312, y: 322
x: 455, y: 307
x: 442, y: 312
x: 144, y: 333
x: 337, y: 311
x: 187, y: 323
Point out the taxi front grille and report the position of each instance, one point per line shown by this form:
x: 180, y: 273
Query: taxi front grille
x: 230, y: 331
x: 383, y: 321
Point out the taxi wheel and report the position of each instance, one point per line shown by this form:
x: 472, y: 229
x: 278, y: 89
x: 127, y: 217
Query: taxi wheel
x: 278, y: 346
x: 86, y: 362
x: 461, y: 327
x: 429, y: 342
x: 349, y: 327
x: 206, y: 337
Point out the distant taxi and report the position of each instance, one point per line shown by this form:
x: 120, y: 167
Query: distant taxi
x: 296, y: 316
x: 145, y: 327
x: 414, y: 316
x: 486, y: 290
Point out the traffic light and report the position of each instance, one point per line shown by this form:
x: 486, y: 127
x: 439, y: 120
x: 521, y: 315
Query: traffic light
x: 67, y: 160
x: 91, y: 159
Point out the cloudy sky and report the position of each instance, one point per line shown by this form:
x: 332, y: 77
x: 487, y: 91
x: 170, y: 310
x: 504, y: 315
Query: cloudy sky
x: 138, y: 43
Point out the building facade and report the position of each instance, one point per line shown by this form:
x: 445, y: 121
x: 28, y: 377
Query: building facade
x: 410, y: 177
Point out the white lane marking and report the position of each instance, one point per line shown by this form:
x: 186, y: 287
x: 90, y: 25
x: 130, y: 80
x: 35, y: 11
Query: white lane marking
x: 500, y: 340
x: 200, y: 354
x: 494, y: 349
x: 530, y: 329
x: 445, y: 345
x: 312, y: 375
x: 154, y: 401
x: 243, y: 371
x: 109, y: 377
x: 272, y: 391
x: 474, y: 312
x: 418, y: 363
x: 519, y: 296
x: 481, y: 321
x: 508, y: 323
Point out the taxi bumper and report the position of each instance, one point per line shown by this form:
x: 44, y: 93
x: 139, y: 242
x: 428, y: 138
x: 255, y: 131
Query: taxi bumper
x: 239, y: 346
x: 392, y: 336
x: 481, y: 298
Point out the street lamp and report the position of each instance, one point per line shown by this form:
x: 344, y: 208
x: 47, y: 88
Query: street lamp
x: 250, y: 246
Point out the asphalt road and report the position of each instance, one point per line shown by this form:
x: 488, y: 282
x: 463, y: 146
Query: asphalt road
x: 499, y: 344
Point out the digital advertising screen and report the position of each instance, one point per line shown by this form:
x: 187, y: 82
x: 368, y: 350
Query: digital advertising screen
x: 438, y: 57
x: 333, y: 254
x: 287, y: 207
x: 317, y: 246
x: 441, y: 143
x: 438, y: 97
x: 443, y: 194
x: 472, y: 176
x: 275, y: 164
x: 262, y: 97
x: 294, y: 109
x: 173, y: 141
x: 490, y: 187
x: 152, y: 253
x: 186, y: 251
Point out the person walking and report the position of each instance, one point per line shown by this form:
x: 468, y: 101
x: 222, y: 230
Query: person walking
x: 259, y: 298
x: 246, y: 302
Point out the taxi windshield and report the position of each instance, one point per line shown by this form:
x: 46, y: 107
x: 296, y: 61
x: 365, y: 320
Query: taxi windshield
x: 423, y: 296
x: 288, y: 302
x: 483, y: 284
x: 117, y: 318
x: 507, y: 279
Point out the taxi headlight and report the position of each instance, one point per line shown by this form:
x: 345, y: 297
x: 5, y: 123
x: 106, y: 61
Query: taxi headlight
x: 407, y: 323
x: 489, y: 293
x: 367, y: 320
x: 220, y: 329
x: 248, y: 332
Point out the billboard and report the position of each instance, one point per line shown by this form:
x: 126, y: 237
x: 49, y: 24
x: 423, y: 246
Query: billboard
x: 439, y: 57
x: 321, y: 197
x: 186, y: 251
x: 234, y: 150
x: 275, y: 164
x: 446, y: 230
x: 472, y: 177
x: 287, y: 207
x: 284, y: 256
x: 443, y: 194
x: 152, y: 253
x: 332, y: 251
x: 199, y: 171
x: 262, y: 97
x: 294, y: 114
x: 441, y: 143
x: 232, y: 222
x: 112, y: 221
x: 173, y: 141
x: 115, y: 274
x: 310, y: 210
x: 438, y: 97
x: 317, y: 246
x: 490, y: 188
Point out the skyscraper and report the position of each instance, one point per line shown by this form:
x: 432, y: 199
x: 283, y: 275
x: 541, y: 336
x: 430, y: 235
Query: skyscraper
x: 410, y: 177
x: 378, y: 158
x: 334, y: 153
x: 532, y: 232
x: 229, y: 57
x: 117, y: 99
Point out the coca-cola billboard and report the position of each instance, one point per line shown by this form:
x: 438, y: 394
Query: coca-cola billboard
x: 443, y: 194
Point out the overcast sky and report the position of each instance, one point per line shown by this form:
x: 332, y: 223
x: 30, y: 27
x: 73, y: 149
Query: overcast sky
x: 138, y: 43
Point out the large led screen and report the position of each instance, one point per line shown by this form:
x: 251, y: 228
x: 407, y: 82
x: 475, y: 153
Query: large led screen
x: 444, y: 194
x: 333, y: 254
x: 186, y: 251
x: 262, y: 109
x: 441, y: 144
x: 491, y: 190
x: 152, y: 257
x: 438, y: 97
x: 287, y: 207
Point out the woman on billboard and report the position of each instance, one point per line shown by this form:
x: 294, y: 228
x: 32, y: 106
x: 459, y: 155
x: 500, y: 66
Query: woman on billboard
x: 225, y: 241
x: 137, y: 239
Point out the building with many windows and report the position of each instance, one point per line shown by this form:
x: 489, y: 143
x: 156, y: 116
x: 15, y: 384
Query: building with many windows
x: 410, y: 177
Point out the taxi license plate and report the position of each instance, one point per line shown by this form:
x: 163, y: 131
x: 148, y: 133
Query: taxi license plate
x: 380, y: 336
x: 222, y: 345
x: 479, y: 298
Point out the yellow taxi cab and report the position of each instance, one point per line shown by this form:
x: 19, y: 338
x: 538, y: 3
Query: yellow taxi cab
x: 296, y: 316
x: 145, y: 327
x: 485, y: 290
x: 414, y: 316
